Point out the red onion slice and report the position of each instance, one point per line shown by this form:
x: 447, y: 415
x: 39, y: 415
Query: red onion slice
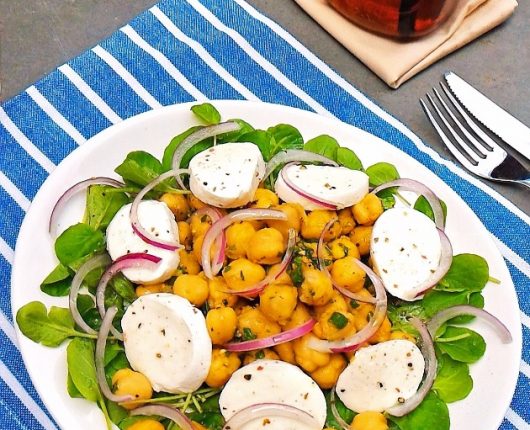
x: 100, y: 358
x: 257, y: 288
x: 127, y: 261
x: 296, y: 155
x: 333, y: 404
x: 219, y: 226
x: 74, y: 189
x: 419, y: 188
x: 323, y: 268
x: 353, y: 342
x: 446, y: 258
x: 277, y: 339
x: 264, y: 410
x: 199, y: 135
x: 325, y: 204
x: 133, y: 214
x: 220, y: 242
x: 181, y: 420
x: 444, y: 315
x: 88, y: 266
x: 431, y: 365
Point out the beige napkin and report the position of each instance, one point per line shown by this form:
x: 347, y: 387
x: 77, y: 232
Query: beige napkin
x: 395, y: 61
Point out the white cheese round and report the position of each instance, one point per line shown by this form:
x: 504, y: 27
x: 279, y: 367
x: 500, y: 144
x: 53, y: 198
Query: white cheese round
x: 156, y: 218
x: 338, y: 185
x: 381, y: 376
x: 166, y: 339
x: 405, y: 249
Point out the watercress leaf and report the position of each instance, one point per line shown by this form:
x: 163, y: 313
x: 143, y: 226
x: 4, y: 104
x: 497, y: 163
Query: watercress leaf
x: 116, y: 413
x: 431, y: 414
x: 285, y: 136
x: 78, y: 241
x: 207, y: 113
x: 387, y: 197
x: 194, y: 150
x: 468, y: 272
x: 399, y: 313
x: 140, y: 167
x: 111, y: 351
x: 57, y: 283
x: 381, y: 173
x: 167, y: 159
x: 118, y: 362
x: 347, y: 158
x: 49, y: 329
x: 92, y: 318
x: 262, y: 139
x: 453, y: 381
x: 324, y: 145
x: 123, y: 287
x: 345, y: 413
x: 461, y: 344
x: 235, y: 136
x: 82, y: 369
x: 210, y: 420
x: 101, y: 205
x: 434, y: 301
x: 422, y: 205
x: 129, y: 421
x: 72, y: 389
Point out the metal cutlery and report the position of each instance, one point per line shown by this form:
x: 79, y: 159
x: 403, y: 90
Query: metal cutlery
x: 471, y: 145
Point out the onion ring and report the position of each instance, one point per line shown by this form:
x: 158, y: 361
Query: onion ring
x: 335, y: 412
x: 199, y: 135
x: 418, y: 187
x: 277, y: 339
x: 222, y: 223
x: 220, y: 242
x: 133, y: 213
x: 324, y: 269
x: 88, y: 266
x: 264, y: 410
x: 181, y: 420
x: 295, y: 155
x: 431, y: 366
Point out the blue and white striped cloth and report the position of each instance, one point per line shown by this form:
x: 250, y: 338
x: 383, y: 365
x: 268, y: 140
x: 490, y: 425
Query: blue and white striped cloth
x: 185, y: 50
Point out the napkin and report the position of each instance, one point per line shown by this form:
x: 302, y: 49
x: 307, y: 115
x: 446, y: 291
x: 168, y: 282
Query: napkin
x: 396, y: 61
x: 180, y: 51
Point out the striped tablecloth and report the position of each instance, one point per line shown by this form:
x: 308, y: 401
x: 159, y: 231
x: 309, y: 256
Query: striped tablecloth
x: 181, y: 51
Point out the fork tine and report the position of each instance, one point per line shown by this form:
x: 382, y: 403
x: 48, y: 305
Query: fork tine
x: 487, y: 141
x: 454, y: 150
x: 463, y: 145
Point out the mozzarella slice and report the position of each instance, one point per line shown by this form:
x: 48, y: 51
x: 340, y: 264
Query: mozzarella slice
x: 405, y: 249
x: 381, y: 376
x: 273, y: 381
x: 166, y: 339
x: 156, y: 218
x: 227, y: 175
x: 338, y: 185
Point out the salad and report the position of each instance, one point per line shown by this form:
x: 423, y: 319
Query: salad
x: 252, y: 279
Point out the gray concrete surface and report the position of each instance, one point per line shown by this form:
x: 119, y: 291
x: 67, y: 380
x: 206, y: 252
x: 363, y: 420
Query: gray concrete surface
x: 38, y: 35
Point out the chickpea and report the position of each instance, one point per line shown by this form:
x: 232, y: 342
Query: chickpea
x: 265, y: 354
x: 361, y: 236
x: 295, y: 216
x: 218, y: 297
x: 177, y: 204
x: 315, y: 222
x: 242, y: 273
x: 142, y: 290
x: 265, y: 199
x: 383, y: 332
x: 402, y: 335
x: 326, y: 376
x: 369, y: 421
x: 147, y: 424
x: 194, y: 202
x: 362, y: 314
x: 199, y: 224
x: 284, y: 278
x: 299, y: 316
x: 278, y: 301
x: 266, y: 246
x: 252, y: 322
x: 192, y: 287
x: 188, y: 264
x: 237, y: 239
x: 221, y: 324
x: 308, y: 358
x: 334, y: 325
x: 337, y: 303
x: 286, y: 352
x: 347, y: 273
x: 346, y: 220
x: 367, y: 210
x: 343, y: 247
x: 126, y: 381
x: 185, y: 236
x: 223, y: 364
x: 316, y: 289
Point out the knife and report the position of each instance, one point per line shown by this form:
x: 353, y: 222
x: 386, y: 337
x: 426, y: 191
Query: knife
x: 508, y: 128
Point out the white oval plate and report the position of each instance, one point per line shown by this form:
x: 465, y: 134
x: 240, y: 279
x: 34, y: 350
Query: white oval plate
x: 495, y: 375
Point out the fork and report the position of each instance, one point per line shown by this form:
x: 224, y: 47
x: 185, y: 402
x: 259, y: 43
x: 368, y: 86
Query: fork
x: 477, y: 151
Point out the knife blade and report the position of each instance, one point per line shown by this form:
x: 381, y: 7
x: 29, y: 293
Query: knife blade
x: 503, y: 124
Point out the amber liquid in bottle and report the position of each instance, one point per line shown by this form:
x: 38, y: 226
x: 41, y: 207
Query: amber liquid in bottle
x: 397, y: 18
